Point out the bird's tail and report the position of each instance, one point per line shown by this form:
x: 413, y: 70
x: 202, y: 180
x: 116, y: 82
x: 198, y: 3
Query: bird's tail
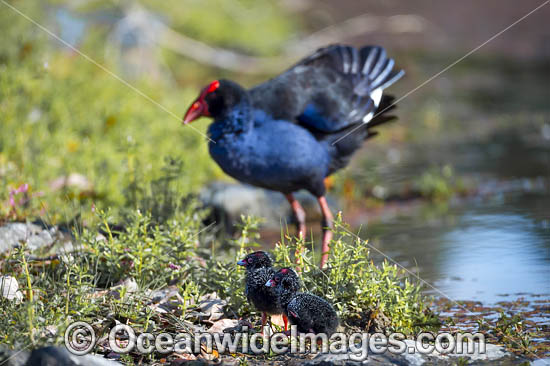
x: 370, y: 70
x: 346, y: 141
x: 375, y: 74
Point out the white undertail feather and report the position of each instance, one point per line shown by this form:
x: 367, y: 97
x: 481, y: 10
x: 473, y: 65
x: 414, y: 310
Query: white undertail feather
x: 376, y: 96
x: 368, y: 117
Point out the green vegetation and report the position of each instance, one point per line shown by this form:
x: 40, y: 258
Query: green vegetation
x: 80, y: 147
x: 367, y: 296
x: 112, y: 275
x: 439, y: 184
x: 63, y: 116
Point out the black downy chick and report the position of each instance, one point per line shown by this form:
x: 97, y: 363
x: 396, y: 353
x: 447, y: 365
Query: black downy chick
x: 311, y: 313
x: 259, y: 269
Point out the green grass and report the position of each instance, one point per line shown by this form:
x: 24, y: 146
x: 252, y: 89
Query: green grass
x: 365, y: 295
x: 80, y: 285
x: 62, y: 116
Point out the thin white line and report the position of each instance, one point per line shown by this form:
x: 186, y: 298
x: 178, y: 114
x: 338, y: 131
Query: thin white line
x: 404, y: 268
x: 445, y: 69
x: 15, y: 354
x: 207, y: 227
x: 102, y: 67
x: 421, y: 279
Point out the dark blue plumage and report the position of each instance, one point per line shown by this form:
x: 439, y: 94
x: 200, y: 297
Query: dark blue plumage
x: 296, y: 129
x: 273, y: 154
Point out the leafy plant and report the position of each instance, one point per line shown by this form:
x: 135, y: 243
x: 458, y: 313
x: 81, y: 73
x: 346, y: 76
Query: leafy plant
x: 223, y: 276
x: 365, y: 295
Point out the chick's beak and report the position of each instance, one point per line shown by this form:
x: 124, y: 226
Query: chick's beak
x: 270, y: 283
x: 241, y: 263
x: 196, y: 110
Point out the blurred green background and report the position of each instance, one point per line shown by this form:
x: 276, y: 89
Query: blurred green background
x: 470, y: 150
x: 75, y: 133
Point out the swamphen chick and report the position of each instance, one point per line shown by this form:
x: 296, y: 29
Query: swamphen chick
x: 311, y: 313
x: 259, y: 269
x: 293, y: 131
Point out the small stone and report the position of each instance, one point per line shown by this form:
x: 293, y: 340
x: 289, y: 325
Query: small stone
x: 163, y: 295
x: 223, y: 324
x: 212, y: 306
x: 9, y: 288
x: 13, y: 234
x: 73, y: 180
x: 128, y: 286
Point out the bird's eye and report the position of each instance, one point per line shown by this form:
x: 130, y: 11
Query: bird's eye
x: 249, y: 260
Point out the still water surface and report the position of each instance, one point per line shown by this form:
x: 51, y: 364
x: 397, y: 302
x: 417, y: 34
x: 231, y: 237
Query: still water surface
x: 487, y: 250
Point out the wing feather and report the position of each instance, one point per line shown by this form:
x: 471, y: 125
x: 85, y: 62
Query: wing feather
x: 334, y: 88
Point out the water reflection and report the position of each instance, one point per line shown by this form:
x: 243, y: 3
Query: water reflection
x: 486, y: 251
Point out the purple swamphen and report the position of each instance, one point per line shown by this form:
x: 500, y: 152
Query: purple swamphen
x: 293, y: 131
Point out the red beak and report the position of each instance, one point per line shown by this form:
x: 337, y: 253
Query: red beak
x: 196, y: 110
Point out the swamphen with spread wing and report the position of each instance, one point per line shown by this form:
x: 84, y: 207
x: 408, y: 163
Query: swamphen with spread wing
x: 296, y: 129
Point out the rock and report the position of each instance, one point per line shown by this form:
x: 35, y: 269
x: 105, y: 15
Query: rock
x: 13, y: 234
x: 541, y: 362
x: 221, y: 325
x: 211, y: 306
x: 167, y: 300
x: 162, y: 295
x: 73, y: 180
x: 328, y: 359
x: 126, y: 286
x: 9, y: 288
x: 229, y: 201
x: 493, y: 354
x: 51, y: 356
x: 13, y: 357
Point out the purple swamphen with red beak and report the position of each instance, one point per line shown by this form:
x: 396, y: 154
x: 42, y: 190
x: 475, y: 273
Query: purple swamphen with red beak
x: 296, y: 129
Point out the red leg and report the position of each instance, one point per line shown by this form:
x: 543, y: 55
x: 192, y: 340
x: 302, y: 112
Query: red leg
x: 299, y: 214
x: 264, y: 320
x: 285, y: 320
x: 327, y: 225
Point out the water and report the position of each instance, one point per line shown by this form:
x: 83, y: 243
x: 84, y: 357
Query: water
x: 493, y: 245
x: 487, y: 250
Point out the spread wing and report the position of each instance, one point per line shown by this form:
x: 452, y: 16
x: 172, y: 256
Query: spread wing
x: 336, y: 87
